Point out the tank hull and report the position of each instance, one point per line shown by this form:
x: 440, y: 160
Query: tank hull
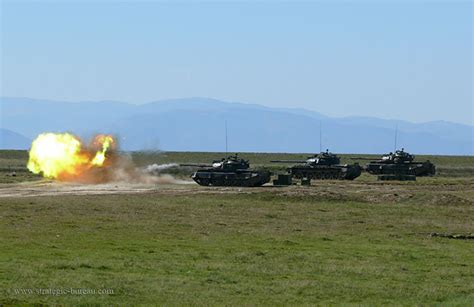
x: 244, y: 178
x: 415, y: 169
x: 326, y: 172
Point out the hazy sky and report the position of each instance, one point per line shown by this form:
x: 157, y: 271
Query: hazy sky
x: 409, y: 60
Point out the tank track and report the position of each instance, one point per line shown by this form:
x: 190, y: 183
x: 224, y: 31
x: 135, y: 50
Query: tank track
x: 349, y: 172
x: 416, y: 169
x: 248, y: 179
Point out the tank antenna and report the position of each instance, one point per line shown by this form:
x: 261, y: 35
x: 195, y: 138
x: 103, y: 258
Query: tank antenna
x: 226, y: 136
x: 396, y: 135
x: 320, y: 136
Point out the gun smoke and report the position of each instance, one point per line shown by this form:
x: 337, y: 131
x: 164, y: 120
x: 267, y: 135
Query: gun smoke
x: 158, y: 168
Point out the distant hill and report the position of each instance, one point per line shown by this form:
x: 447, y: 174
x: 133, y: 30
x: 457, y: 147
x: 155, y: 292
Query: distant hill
x: 197, y: 124
x: 13, y: 140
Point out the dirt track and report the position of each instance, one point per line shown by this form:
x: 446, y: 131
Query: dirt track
x: 372, y: 192
x: 53, y: 188
x: 49, y: 188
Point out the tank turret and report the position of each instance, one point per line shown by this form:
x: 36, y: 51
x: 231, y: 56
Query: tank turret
x: 400, y: 156
x: 231, y: 163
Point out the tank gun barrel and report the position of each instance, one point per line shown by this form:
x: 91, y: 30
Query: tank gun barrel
x: 363, y: 158
x: 196, y: 164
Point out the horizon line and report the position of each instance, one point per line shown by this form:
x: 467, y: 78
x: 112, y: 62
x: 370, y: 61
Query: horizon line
x: 471, y: 124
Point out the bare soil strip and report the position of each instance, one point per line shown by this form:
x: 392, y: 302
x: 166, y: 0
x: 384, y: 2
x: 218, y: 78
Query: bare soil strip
x: 373, y: 192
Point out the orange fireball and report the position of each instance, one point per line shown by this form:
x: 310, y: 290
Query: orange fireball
x: 63, y: 156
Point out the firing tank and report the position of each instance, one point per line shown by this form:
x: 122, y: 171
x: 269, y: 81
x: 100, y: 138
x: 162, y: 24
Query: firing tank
x: 324, y: 165
x: 400, y: 163
x: 230, y: 171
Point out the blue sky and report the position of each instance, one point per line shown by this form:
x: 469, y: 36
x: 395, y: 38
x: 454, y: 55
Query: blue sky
x: 410, y: 60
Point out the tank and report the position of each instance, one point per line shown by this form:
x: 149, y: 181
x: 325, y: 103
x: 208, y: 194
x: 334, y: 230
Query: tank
x: 324, y: 165
x: 400, y: 163
x: 232, y: 171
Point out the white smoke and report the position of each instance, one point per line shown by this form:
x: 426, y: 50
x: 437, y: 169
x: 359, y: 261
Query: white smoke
x: 157, y: 168
x: 124, y: 170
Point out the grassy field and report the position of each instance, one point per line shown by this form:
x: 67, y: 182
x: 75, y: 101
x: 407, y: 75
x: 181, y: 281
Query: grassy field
x: 334, y: 242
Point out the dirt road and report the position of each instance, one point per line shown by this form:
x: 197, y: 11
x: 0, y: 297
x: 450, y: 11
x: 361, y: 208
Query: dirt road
x: 372, y: 192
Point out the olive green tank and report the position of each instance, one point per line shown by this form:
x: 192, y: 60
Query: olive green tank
x: 324, y: 165
x: 399, y: 163
x: 230, y: 171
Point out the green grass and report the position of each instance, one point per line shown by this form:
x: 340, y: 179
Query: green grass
x: 13, y: 167
x: 259, y: 248
x: 333, y: 243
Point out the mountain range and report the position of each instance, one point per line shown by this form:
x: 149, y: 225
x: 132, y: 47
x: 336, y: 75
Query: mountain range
x: 198, y: 124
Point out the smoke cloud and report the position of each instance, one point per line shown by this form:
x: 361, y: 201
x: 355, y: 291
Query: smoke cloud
x: 158, y: 168
x: 124, y: 170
